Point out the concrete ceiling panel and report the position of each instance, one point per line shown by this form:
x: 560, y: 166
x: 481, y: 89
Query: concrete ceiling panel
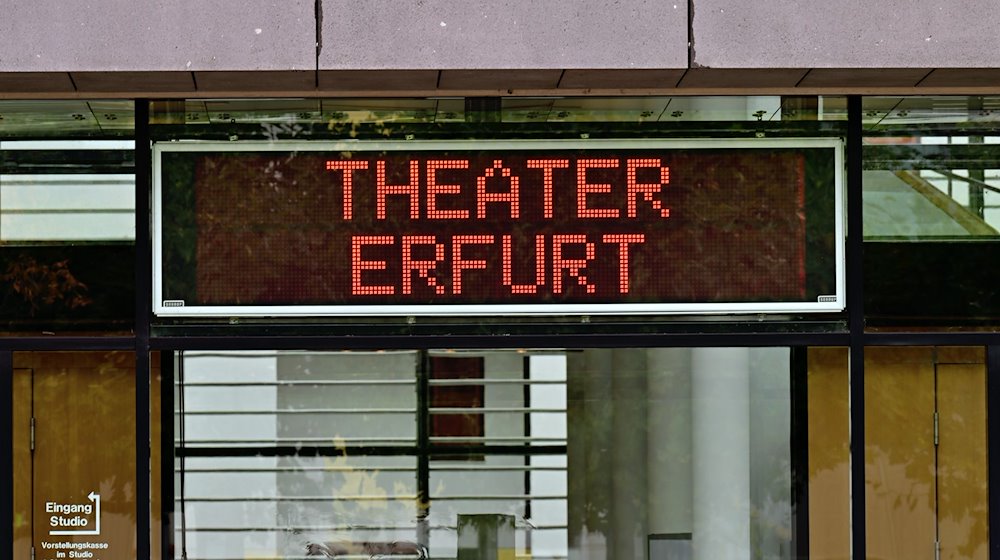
x: 845, y: 34
x: 505, y: 34
x: 153, y: 35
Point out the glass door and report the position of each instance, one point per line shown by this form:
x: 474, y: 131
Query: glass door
x: 74, y: 441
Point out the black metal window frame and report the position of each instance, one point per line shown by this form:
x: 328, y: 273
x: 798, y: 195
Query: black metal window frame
x: 144, y: 342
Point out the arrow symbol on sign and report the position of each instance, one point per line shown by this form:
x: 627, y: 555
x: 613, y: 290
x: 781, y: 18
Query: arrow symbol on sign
x: 96, y: 498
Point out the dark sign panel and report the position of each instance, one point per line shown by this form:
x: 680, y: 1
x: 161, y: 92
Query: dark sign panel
x: 498, y: 227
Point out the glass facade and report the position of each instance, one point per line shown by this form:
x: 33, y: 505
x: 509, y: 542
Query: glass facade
x: 855, y: 426
x: 930, y: 209
x: 321, y: 208
x: 285, y: 453
x: 67, y: 217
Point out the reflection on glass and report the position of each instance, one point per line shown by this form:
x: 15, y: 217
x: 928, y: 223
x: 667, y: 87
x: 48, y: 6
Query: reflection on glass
x: 931, y: 209
x: 289, y: 454
x: 703, y: 437
x: 932, y: 167
x: 829, y: 454
x: 294, y: 116
x: 648, y: 109
x: 912, y: 204
x: 67, y: 190
x: 629, y: 453
x: 67, y: 218
x: 53, y: 208
x: 67, y: 118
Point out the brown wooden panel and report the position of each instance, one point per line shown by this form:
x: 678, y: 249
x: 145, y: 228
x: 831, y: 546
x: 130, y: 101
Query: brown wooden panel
x: 84, y: 408
x: 22, y: 463
x: 829, y: 455
x: 899, y: 453
x: 961, y: 355
x: 962, y: 462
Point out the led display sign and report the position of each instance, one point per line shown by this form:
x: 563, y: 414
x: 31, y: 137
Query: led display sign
x: 497, y: 227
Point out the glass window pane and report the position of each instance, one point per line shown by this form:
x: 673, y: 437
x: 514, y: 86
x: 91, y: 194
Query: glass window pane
x: 930, y: 163
x: 930, y: 190
x: 293, y: 116
x: 67, y: 207
x: 626, y: 453
x: 67, y: 216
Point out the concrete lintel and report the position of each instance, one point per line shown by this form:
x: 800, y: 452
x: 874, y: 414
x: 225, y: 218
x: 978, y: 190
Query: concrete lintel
x: 255, y: 81
x: 499, y: 79
x: 376, y: 80
x: 863, y: 77
x: 962, y: 77
x: 133, y: 81
x: 742, y: 77
x: 36, y: 82
x: 618, y: 78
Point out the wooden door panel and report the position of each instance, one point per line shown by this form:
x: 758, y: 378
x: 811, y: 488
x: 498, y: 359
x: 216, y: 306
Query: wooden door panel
x: 829, y: 455
x: 962, y: 462
x: 84, y: 408
x: 22, y: 462
x: 899, y: 453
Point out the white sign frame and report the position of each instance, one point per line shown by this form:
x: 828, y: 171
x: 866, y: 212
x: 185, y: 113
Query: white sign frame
x: 826, y: 303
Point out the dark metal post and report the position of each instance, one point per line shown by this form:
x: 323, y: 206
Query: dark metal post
x: 800, y: 451
x: 167, y: 455
x: 856, y: 321
x: 143, y: 296
x: 993, y: 446
x: 423, y: 447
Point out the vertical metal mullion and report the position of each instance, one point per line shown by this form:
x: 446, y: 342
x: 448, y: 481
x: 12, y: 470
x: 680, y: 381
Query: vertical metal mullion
x: 856, y: 322
x: 181, y: 467
x: 526, y: 394
x: 799, y: 445
x: 7, y: 451
x: 143, y: 235
x: 166, y: 454
x: 143, y: 296
x: 423, y: 447
x: 993, y: 447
